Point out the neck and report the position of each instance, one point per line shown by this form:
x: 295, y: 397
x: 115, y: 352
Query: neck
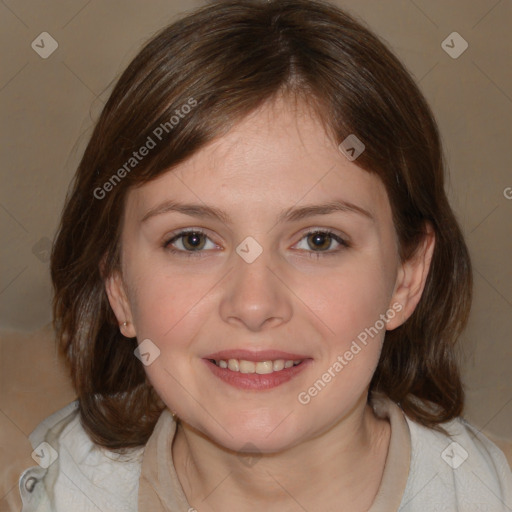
x: 351, y: 453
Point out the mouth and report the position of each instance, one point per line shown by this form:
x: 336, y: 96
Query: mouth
x: 256, y: 370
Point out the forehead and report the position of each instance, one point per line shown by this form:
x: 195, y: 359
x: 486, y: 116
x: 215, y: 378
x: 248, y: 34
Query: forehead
x: 277, y: 157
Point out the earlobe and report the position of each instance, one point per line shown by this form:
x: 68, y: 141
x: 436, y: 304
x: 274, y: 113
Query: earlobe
x: 119, y: 303
x: 411, y: 279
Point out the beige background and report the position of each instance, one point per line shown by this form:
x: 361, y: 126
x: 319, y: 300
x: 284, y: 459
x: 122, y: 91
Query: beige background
x: 49, y: 106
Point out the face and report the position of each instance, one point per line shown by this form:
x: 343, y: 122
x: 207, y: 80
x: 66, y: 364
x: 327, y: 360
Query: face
x: 262, y: 279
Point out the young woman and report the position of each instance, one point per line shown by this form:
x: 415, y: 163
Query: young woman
x: 259, y: 284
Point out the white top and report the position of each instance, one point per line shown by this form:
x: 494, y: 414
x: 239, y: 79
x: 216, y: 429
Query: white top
x: 425, y: 471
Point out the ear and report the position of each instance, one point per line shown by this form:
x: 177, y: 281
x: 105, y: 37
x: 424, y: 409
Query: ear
x: 119, y: 303
x: 411, y: 279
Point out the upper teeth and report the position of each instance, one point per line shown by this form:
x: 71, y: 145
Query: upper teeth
x: 261, y: 367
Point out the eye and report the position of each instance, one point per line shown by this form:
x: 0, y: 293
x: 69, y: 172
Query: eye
x: 320, y: 241
x: 192, y: 242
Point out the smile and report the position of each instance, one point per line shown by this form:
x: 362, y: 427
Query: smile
x: 256, y: 371
x: 259, y: 367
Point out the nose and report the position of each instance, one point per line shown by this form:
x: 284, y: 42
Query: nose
x: 255, y: 294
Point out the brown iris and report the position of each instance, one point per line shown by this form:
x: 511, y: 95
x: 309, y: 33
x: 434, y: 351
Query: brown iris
x: 318, y: 238
x: 197, y: 240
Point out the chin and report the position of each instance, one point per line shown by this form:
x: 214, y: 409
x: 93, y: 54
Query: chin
x: 268, y: 436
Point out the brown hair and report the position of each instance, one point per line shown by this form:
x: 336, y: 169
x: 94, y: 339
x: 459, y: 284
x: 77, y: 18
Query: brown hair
x: 227, y: 59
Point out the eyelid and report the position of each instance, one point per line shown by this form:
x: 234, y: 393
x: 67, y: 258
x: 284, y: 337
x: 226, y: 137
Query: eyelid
x: 336, y: 232
x: 176, y: 235
x: 340, y: 239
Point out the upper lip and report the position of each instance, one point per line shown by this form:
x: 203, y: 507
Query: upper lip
x: 247, y: 355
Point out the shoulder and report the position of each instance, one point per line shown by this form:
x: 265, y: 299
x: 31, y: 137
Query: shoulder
x: 459, y: 470
x: 73, y: 473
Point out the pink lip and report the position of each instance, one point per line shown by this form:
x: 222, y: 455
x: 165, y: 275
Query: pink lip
x: 255, y: 381
x: 247, y: 355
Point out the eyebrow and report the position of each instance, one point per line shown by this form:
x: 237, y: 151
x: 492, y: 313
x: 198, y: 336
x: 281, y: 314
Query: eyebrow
x: 292, y: 214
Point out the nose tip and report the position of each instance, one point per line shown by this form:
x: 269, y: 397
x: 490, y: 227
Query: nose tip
x: 254, y: 296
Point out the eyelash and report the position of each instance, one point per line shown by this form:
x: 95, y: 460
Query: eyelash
x: 313, y: 254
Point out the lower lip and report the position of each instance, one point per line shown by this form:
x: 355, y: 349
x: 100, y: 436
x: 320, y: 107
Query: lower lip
x: 255, y: 381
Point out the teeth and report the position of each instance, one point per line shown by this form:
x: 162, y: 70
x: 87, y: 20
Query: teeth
x: 247, y: 367
x: 260, y: 367
x: 278, y: 365
x: 264, y: 367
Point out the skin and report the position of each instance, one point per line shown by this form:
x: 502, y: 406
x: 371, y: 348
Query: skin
x: 279, y: 157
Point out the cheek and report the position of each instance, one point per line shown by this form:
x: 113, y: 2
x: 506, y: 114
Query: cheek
x: 171, y: 314
x: 350, y: 303
x: 350, y: 306
x: 171, y: 308
x: 166, y: 304
x: 349, y: 300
